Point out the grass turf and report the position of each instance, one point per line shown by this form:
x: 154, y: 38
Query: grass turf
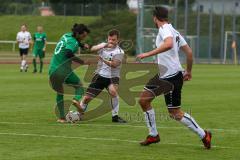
x: 28, y: 130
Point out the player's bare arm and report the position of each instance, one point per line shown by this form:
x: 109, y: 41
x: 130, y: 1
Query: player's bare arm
x: 113, y: 63
x: 98, y: 47
x: 74, y: 58
x: 45, y: 45
x: 189, y: 56
x: 167, y: 45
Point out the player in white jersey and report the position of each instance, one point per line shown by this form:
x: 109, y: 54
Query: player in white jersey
x: 24, y: 40
x: 169, y: 80
x: 107, y: 74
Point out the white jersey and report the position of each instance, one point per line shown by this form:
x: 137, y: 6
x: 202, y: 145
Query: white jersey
x: 25, y: 38
x: 109, y: 54
x: 168, y: 61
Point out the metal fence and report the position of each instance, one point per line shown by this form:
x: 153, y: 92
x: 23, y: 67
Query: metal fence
x: 211, y: 27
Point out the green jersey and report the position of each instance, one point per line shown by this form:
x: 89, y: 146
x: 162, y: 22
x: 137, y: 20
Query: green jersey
x: 39, y: 40
x: 59, y: 59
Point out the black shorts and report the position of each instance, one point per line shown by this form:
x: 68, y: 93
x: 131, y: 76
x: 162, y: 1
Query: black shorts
x: 23, y: 51
x: 98, y: 83
x: 170, y: 87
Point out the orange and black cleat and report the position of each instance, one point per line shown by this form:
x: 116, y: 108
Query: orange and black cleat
x: 207, y: 140
x: 150, y: 139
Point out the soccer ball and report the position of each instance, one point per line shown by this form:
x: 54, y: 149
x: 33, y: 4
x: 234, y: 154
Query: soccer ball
x: 73, y: 116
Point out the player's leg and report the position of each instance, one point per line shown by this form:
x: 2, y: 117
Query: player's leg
x: 24, y: 61
x: 41, y: 57
x: 60, y: 106
x: 21, y: 56
x: 74, y: 81
x: 93, y: 90
x: 188, y: 121
x: 114, y: 101
x: 145, y: 100
x: 56, y: 82
x: 34, y: 61
x: 173, y: 101
x: 153, y: 88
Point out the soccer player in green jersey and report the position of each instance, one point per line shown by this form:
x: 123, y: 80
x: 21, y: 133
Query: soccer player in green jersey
x: 39, y: 48
x: 60, y: 71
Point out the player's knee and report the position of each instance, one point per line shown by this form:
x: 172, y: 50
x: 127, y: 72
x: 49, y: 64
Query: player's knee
x: 87, y: 99
x: 175, y: 114
x: 142, y: 102
x: 113, y: 94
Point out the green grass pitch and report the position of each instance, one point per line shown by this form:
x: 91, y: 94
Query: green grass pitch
x: 28, y: 128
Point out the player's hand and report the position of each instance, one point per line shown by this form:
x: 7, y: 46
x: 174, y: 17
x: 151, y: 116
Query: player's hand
x: 141, y: 56
x: 100, y: 58
x: 44, y: 49
x: 109, y: 45
x: 86, y: 46
x: 187, y: 76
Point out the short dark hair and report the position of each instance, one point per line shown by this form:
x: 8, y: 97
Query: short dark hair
x: 114, y: 32
x: 80, y: 29
x: 161, y: 13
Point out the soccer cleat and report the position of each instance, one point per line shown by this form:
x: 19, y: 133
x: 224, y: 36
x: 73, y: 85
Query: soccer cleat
x: 207, y: 140
x: 76, y: 103
x: 34, y: 71
x: 117, y: 119
x: 150, y: 139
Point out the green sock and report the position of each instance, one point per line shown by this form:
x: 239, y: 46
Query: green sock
x: 79, y: 93
x: 41, y: 65
x: 60, y: 105
x: 35, y: 64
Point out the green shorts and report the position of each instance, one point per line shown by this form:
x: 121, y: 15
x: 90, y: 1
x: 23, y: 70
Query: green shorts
x: 58, y: 79
x: 38, y: 53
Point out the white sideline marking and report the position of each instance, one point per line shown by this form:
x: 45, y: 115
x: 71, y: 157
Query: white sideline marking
x: 105, y: 139
x: 117, y: 125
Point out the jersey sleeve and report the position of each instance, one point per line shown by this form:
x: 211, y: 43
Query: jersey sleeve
x: 73, y: 46
x: 18, y: 37
x: 165, y: 33
x: 182, y: 41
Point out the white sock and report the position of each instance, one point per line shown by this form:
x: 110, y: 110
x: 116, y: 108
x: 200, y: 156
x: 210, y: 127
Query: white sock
x: 25, y: 64
x: 188, y: 121
x: 22, y: 64
x: 115, y: 105
x: 83, y: 105
x: 151, y: 123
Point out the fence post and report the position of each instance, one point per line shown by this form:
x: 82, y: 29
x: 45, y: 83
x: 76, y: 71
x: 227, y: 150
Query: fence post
x: 99, y: 9
x: 64, y: 9
x: 198, y: 32
x: 210, y: 32
x: 14, y: 47
x: 186, y: 17
x: 175, y: 13
x: 234, y: 55
x: 222, y: 32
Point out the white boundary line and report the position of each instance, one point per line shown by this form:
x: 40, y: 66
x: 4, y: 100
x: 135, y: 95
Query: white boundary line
x: 105, y: 139
x: 116, y: 125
